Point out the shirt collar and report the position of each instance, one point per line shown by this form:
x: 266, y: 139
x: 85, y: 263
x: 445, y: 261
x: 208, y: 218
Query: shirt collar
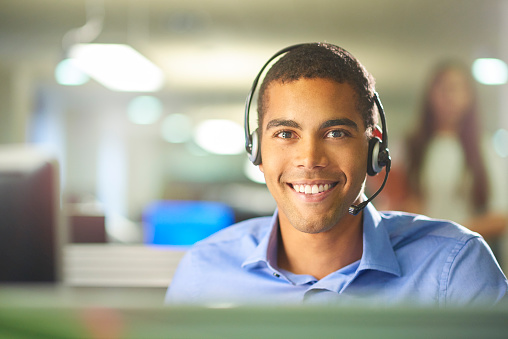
x: 266, y: 250
x: 377, y: 254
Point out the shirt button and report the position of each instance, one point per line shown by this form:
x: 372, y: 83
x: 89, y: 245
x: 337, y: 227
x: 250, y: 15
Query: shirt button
x: 276, y: 275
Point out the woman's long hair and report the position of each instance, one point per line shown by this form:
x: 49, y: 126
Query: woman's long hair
x: 469, y: 134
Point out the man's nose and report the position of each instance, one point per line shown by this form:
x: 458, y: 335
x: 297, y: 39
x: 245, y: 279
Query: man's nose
x: 311, y: 154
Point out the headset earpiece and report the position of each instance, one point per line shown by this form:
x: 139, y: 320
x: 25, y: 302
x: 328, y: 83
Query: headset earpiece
x: 373, y: 167
x: 255, y: 152
x: 375, y: 160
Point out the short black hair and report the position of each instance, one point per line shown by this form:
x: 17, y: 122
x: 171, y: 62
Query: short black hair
x: 326, y: 61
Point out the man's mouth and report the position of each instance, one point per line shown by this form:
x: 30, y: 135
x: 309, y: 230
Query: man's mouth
x: 313, y: 189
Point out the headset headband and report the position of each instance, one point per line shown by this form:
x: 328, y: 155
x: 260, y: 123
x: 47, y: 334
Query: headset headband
x: 248, y: 138
x: 248, y: 102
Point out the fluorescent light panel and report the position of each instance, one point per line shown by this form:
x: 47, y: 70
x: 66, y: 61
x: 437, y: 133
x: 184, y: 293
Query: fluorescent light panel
x: 118, y: 67
x: 202, y: 66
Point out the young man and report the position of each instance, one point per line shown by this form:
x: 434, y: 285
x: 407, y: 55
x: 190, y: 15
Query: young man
x: 316, y: 113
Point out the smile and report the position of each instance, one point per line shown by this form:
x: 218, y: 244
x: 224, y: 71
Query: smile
x: 313, y: 189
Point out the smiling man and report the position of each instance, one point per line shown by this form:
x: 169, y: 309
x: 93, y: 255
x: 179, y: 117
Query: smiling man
x: 314, y: 151
x: 317, y: 122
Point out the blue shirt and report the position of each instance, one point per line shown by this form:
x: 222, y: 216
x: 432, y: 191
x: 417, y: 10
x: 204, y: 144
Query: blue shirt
x: 407, y: 259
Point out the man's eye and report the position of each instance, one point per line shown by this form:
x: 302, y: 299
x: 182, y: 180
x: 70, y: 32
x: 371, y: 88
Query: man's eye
x: 285, y: 135
x: 336, y: 134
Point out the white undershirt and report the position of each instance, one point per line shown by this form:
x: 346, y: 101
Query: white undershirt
x: 448, y: 186
x: 445, y: 182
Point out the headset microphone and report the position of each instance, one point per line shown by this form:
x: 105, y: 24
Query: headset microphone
x: 355, y: 209
x: 378, y: 154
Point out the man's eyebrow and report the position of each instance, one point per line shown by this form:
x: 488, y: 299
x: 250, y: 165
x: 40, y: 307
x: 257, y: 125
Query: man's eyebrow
x: 339, y: 122
x: 281, y: 122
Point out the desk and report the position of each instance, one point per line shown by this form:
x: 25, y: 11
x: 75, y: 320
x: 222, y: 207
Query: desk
x: 111, y: 265
x: 272, y: 322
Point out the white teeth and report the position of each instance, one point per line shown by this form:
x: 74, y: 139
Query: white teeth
x: 311, y: 189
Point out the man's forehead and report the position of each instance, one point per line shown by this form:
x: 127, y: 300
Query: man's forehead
x: 309, y: 96
x: 343, y: 89
x: 289, y: 81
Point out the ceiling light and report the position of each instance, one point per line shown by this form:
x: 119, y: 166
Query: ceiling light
x: 489, y: 71
x: 216, y: 67
x: 118, y: 67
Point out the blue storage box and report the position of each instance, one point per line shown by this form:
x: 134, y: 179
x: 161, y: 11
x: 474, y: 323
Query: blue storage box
x: 182, y: 223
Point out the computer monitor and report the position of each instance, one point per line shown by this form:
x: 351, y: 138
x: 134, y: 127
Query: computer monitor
x: 29, y: 215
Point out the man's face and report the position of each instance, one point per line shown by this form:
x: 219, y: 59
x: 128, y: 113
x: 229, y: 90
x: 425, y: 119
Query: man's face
x: 314, y: 152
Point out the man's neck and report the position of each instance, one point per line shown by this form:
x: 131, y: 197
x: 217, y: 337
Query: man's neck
x: 322, y: 253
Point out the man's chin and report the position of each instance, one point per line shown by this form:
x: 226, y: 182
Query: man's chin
x: 315, y: 224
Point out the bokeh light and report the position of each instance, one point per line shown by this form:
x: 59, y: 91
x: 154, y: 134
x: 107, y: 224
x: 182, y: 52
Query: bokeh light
x: 253, y: 172
x: 144, y: 110
x: 490, y: 71
x: 67, y: 73
x: 176, y: 128
x: 500, y: 142
x: 220, y: 136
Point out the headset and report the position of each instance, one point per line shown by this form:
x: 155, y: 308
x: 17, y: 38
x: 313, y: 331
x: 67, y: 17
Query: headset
x: 378, y: 153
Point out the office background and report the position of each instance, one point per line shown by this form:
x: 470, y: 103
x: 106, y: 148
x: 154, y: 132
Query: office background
x: 114, y: 163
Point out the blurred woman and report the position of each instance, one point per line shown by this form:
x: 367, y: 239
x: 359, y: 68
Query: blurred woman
x: 451, y: 170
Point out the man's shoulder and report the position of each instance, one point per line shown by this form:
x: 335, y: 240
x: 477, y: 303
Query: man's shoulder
x: 447, y: 260
x: 402, y: 226
x: 204, y: 270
